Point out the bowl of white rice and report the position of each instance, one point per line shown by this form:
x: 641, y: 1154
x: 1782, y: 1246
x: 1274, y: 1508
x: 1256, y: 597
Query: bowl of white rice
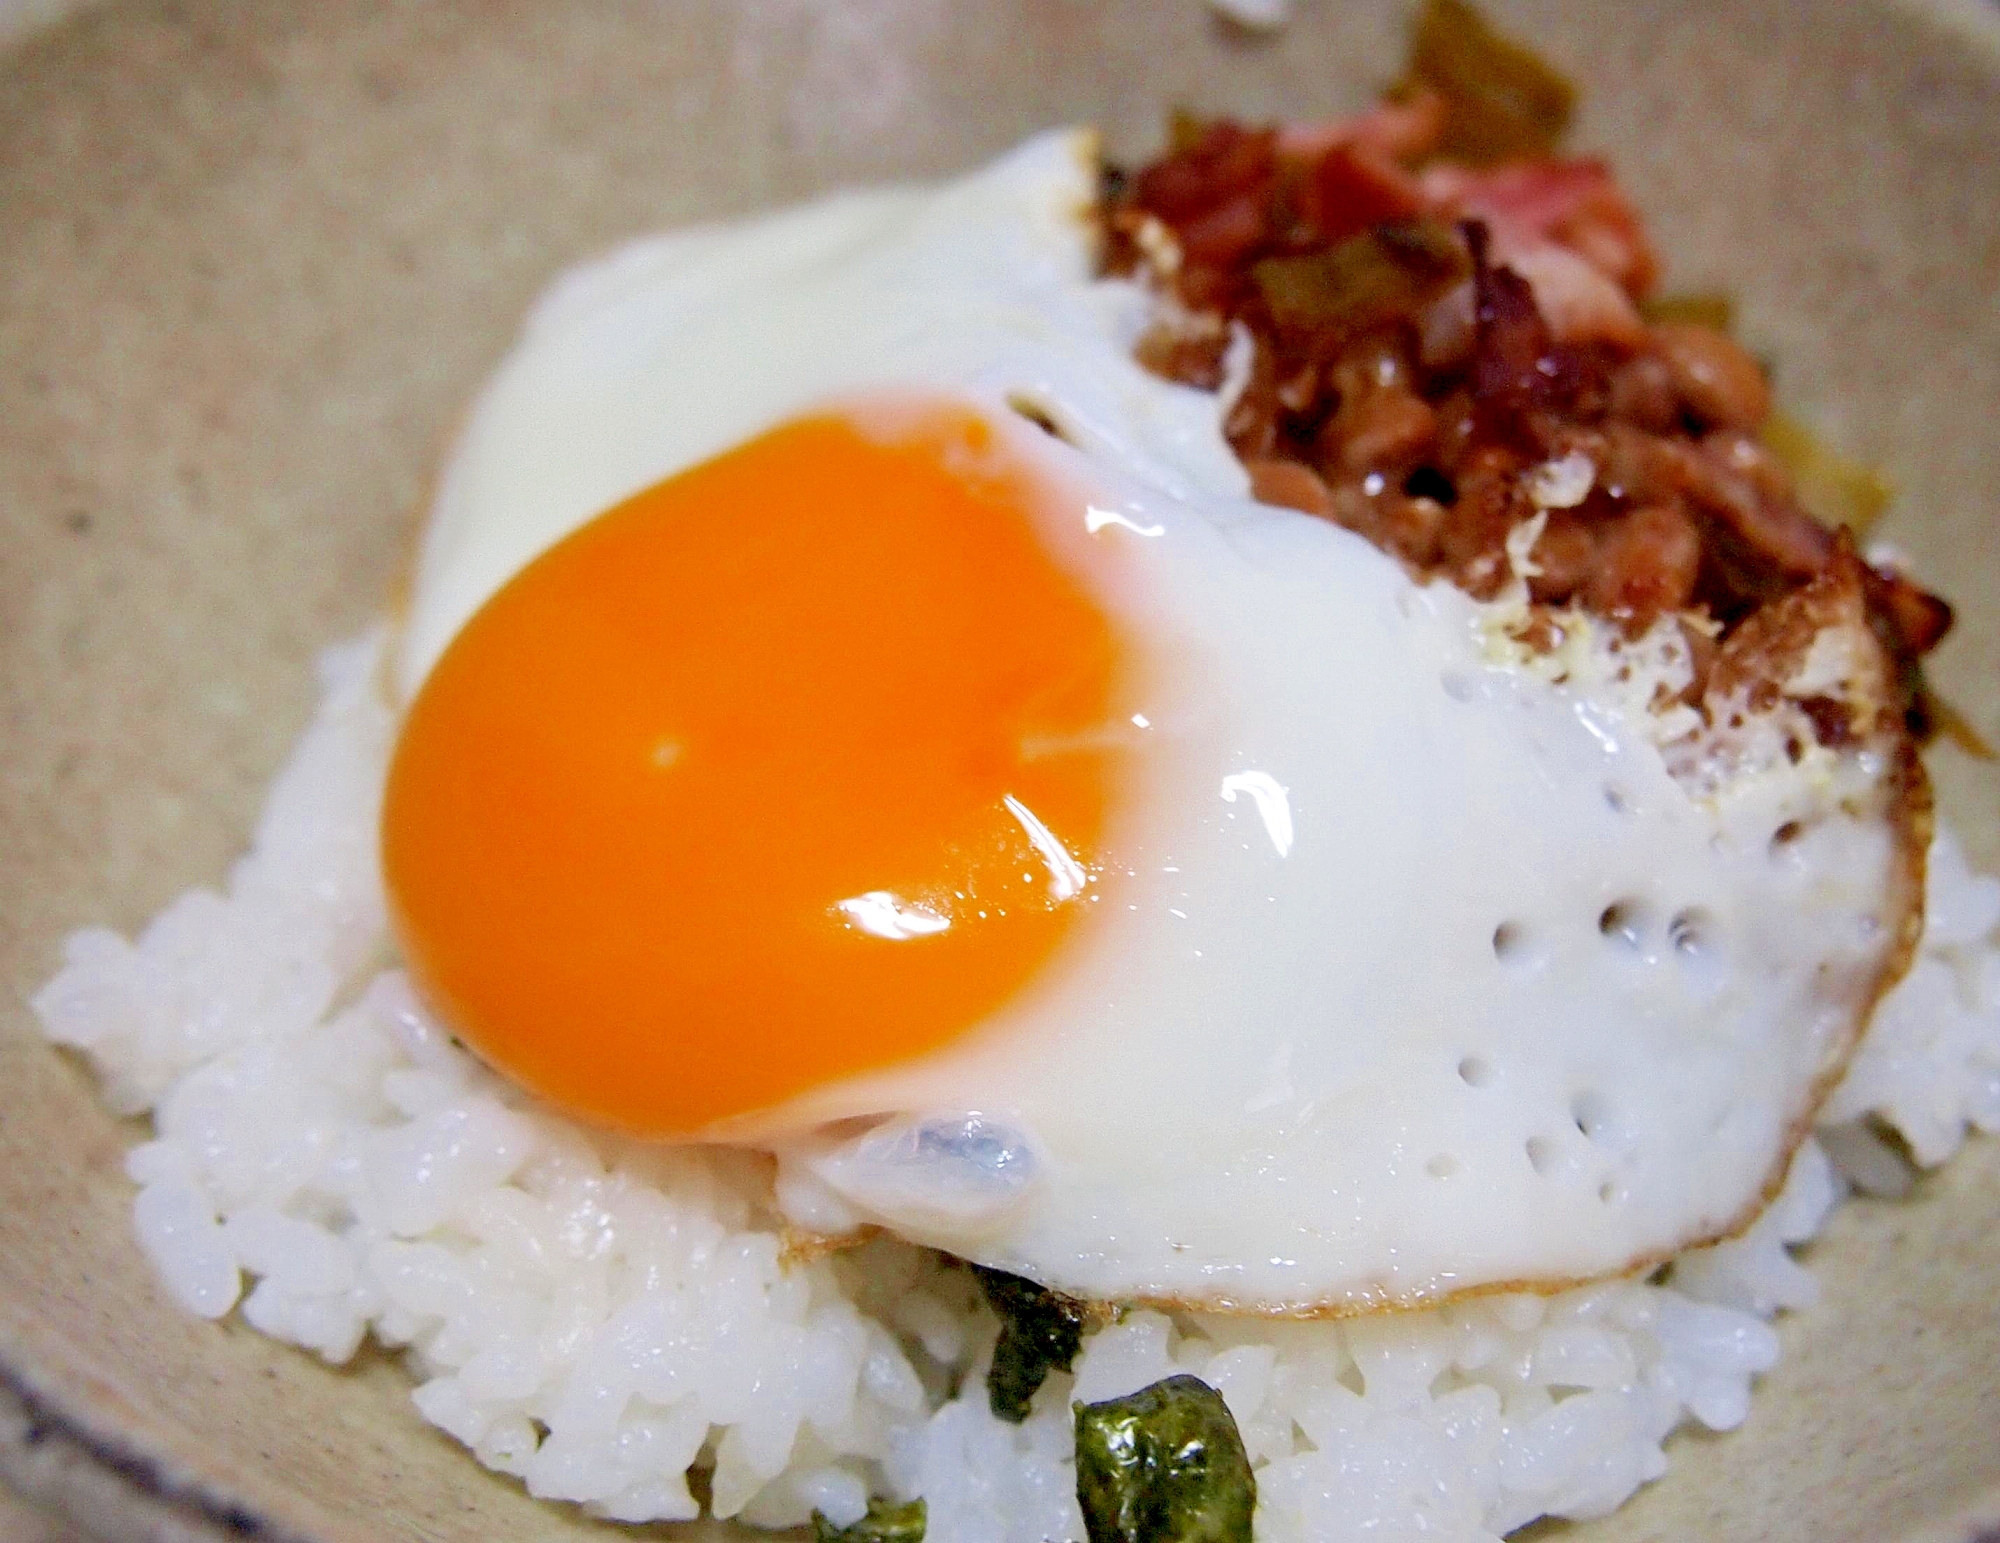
x: 281, y: 1260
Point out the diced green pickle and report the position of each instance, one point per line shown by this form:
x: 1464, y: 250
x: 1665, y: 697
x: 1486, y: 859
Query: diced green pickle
x: 1837, y: 488
x: 1366, y: 280
x: 1707, y: 308
x: 1938, y: 719
x: 1185, y: 128
x: 1165, y: 1465
x: 1504, y: 103
x: 885, y: 1522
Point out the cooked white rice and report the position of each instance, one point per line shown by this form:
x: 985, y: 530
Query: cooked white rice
x: 595, y: 1317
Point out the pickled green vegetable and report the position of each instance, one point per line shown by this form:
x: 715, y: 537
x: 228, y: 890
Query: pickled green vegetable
x: 1940, y: 720
x: 1185, y: 128
x: 1707, y: 308
x: 1836, y: 488
x: 1503, y: 102
x: 1040, y: 1331
x: 1165, y: 1465
x: 1364, y: 281
x: 884, y: 1523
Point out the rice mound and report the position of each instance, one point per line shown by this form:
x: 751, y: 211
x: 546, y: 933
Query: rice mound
x: 595, y: 1316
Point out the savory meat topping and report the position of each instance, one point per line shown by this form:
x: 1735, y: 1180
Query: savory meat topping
x: 1448, y: 342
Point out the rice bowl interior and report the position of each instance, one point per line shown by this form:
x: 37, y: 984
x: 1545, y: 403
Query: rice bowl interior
x: 232, y: 527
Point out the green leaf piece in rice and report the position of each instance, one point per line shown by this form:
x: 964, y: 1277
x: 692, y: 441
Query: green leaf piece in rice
x: 886, y: 1522
x: 1164, y: 1465
x: 1040, y: 1332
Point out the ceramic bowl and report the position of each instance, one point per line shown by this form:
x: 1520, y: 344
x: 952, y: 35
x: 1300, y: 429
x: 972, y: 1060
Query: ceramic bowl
x: 253, y: 259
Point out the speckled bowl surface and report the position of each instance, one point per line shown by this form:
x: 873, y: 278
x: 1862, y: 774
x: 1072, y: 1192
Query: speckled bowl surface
x: 254, y: 257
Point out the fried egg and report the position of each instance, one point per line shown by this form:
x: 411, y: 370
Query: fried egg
x: 854, y: 712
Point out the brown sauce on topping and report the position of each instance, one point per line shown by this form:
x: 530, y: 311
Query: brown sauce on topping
x: 1442, y: 349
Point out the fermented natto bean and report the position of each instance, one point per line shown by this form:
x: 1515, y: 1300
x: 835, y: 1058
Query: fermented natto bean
x: 1712, y: 374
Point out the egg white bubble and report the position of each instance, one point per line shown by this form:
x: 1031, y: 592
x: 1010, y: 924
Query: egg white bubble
x: 1414, y: 973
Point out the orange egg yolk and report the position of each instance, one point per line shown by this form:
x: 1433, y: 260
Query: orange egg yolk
x: 780, y: 771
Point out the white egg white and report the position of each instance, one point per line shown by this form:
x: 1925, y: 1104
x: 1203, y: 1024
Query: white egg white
x: 1413, y: 972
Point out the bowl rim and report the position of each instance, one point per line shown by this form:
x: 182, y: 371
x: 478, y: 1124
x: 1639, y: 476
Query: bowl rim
x: 89, y: 1476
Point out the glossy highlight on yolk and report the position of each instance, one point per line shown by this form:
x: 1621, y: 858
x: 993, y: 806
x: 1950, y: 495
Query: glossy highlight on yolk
x: 780, y: 771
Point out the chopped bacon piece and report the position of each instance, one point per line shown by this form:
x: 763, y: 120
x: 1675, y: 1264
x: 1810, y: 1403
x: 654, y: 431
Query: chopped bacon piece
x: 1227, y: 159
x: 1217, y: 237
x: 1518, y: 369
x: 1570, y: 204
x: 1351, y: 187
x: 1579, y: 303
